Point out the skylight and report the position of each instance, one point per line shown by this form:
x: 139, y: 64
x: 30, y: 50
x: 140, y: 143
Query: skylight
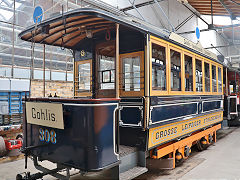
x: 6, y: 9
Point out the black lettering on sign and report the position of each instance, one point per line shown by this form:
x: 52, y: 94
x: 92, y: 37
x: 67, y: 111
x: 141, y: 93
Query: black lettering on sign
x: 43, y: 114
x: 191, y: 125
x: 53, y: 116
x: 33, y: 113
x: 166, y: 133
x: 157, y: 135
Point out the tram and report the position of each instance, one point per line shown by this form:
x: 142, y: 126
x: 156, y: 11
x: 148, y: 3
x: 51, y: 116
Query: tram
x: 140, y: 94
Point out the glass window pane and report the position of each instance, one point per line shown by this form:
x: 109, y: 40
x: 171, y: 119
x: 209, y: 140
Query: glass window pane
x: 58, y: 76
x: 84, y: 77
x: 175, y: 70
x: 107, y: 72
x: 219, y: 79
x: 199, y: 83
x: 38, y: 74
x: 131, y: 74
x: 207, y: 77
x: 214, y: 79
x: 69, y: 76
x: 158, y: 67
x: 5, y: 71
x: 188, y: 73
x: 21, y: 73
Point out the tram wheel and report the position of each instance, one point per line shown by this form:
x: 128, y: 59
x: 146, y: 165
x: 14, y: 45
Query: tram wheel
x: 179, y: 162
x: 178, y: 159
x: 19, y: 177
x: 201, y: 145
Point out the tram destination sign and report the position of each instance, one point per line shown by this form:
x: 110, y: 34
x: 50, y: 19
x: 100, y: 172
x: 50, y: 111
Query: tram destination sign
x: 45, y: 114
x: 159, y: 135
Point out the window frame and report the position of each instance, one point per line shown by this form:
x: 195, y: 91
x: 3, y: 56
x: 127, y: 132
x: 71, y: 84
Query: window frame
x: 76, y: 77
x: 183, y: 51
x: 182, y: 71
x: 193, y: 71
x: 210, y: 77
x: 166, y: 46
x: 216, y: 66
x: 124, y: 93
x: 203, y: 77
x: 221, y: 78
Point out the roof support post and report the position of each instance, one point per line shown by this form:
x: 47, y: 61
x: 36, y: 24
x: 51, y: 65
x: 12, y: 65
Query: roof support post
x: 117, y: 62
x: 13, y: 37
x: 44, y: 57
x: 212, y: 12
x: 173, y: 29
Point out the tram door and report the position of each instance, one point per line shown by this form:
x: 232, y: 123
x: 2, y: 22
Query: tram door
x: 83, y: 78
x: 105, y: 70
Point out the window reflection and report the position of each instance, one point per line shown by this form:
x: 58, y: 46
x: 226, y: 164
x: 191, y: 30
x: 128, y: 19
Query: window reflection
x: 131, y: 71
x: 219, y: 79
x: 207, y: 77
x: 214, y: 79
x: 199, y: 83
x: 84, y: 77
x: 175, y: 70
x: 158, y: 67
x: 188, y: 73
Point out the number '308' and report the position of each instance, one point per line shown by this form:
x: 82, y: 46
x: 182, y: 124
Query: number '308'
x: 47, y: 136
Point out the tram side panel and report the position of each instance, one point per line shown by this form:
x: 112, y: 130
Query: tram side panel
x: 86, y: 140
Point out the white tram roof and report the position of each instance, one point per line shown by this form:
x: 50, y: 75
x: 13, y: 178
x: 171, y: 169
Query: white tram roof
x: 68, y: 29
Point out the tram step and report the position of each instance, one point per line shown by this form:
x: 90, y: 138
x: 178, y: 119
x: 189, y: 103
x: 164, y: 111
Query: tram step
x: 133, y: 162
x: 133, y: 173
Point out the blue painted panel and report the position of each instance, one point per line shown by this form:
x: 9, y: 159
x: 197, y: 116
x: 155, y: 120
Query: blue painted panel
x: 86, y: 142
x: 166, y: 112
x: 208, y: 106
x: 131, y: 115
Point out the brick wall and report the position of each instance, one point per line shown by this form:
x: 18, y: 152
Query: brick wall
x: 62, y: 88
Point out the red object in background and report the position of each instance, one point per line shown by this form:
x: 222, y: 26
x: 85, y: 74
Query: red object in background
x: 13, y: 144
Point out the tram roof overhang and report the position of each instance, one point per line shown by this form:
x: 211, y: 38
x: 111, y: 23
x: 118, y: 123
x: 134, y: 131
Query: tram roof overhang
x: 68, y: 29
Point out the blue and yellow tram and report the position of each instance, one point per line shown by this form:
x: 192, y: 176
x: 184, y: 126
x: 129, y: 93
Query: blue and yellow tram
x: 140, y: 94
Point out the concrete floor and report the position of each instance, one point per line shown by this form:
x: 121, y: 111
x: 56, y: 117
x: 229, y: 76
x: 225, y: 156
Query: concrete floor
x: 219, y: 161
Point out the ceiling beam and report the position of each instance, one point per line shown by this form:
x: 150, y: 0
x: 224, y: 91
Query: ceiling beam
x: 139, y: 5
x: 232, y: 16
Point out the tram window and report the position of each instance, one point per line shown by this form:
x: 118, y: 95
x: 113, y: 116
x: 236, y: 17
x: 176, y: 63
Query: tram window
x: 175, y: 70
x: 131, y: 70
x: 158, y: 67
x: 84, y: 77
x: 199, y: 83
x: 106, y: 72
x: 219, y: 79
x: 214, y: 79
x: 188, y: 73
x: 207, y: 77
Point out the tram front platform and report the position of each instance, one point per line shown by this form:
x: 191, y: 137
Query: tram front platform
x: 218, y: 161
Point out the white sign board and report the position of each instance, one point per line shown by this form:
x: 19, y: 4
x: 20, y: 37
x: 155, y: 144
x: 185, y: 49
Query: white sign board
x: 45, y: 114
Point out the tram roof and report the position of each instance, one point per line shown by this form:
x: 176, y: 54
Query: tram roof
x: 68, y: 29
